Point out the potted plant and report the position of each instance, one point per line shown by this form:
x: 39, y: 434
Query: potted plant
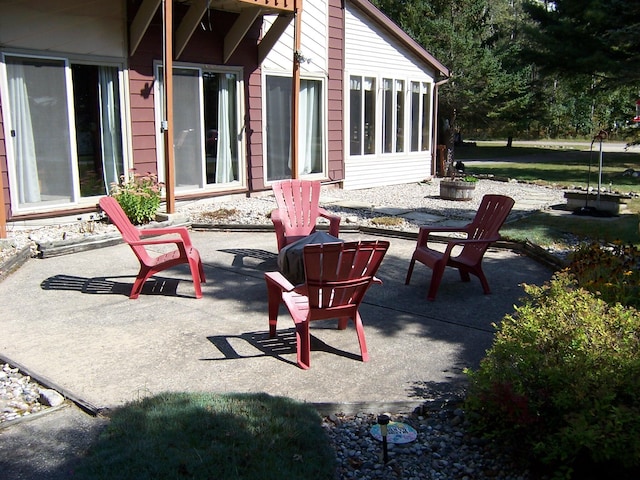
x: 459, y: 188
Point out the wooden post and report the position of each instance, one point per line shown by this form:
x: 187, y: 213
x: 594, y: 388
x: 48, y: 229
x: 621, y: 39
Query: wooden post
x: 169, y: 153
x: 3, y: 214
x: 295, y: 89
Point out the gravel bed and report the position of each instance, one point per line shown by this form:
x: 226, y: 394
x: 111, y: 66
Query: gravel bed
x: 442, y: 450
x: 420, y: 197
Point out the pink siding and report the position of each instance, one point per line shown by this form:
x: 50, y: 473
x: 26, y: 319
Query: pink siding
x: 204, y: 47
x: 4, y: 171
x: 335, y: 152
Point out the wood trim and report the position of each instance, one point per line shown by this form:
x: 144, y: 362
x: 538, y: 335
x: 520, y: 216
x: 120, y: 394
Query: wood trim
x: 273, y: 35
x: 141, y: 22
x: 239, y: 30
x: 189, y: 24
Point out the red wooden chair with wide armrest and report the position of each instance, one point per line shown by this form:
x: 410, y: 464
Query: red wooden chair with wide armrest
x: 184, y: 252
x: 337, y: 278
x: 298, y: 211
x: 480, y: 233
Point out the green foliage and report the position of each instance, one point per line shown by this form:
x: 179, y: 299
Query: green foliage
x: 611, y: 271
x: 139, y: 196
x: 561, y: 381
x: 206, y: 435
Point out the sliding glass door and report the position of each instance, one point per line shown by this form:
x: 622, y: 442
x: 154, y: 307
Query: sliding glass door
x: 64, y: 127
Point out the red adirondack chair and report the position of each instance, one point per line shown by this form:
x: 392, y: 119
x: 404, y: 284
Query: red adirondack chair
x: 298, y: 211
x: 480, y: 233
x: 337, y: 278
x: 184, y: 252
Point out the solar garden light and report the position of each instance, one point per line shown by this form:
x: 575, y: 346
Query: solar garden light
x: 383, y: 421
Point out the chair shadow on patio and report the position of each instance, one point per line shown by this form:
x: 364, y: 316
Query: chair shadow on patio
x: 108, y: 285
x: 260, y: 345
x: 254, y: 258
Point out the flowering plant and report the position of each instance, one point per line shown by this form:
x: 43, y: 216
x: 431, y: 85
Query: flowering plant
x: 138, y: 195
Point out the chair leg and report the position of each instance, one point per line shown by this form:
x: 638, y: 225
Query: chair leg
x: 343, y: 322
x: 483, y: 280
x: 274, y: 295
x: 464, y: 275
x: 436, y: 278
x: 138, y: 284
x: 195, y: 275
x: 303, y: 344
x: 361, y: 338
x: 410, y: 272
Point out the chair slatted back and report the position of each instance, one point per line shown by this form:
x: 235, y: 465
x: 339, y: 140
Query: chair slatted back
x: 339, y: 274
x: 130, y: 233
x: 491, y: 215
x: 298, y: 202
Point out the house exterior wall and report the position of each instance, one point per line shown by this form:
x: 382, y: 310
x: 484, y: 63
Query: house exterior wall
x: 100, y: 26
x: 338, y: 38
x: 370, y: 51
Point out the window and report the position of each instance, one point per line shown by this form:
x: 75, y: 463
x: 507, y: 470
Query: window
x: 420, y: 116
x: 56, y: 156
x: 207, y: 143
x: 426, y: 117
x: 363, y: 113
x: 387, y: 116
x: 399, y: 115
x: 278, y: 126
x: 393, y: 116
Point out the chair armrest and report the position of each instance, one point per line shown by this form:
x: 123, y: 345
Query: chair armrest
x: 334, y: 221
x: 427, y: 230
x: 181, y: 231
x: 376, y: 280
x: 278, y: 227
x: 467, y: 241
x: 279, y: 280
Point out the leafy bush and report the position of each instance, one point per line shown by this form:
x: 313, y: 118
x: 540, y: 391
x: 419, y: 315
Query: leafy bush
x: 562, y: 380
x: 139, y: 196
x: 610, y: 271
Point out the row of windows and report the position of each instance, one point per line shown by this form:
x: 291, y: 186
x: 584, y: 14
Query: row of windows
x: 66, y: 140
x: 404, y: 117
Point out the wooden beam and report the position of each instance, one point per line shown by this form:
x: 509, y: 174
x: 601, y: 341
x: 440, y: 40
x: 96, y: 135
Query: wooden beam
x: 141, y: 22
x: 169, y: 153
x: 273, y: 35
x: 295, y: 90
x: 189, y: 24
x: 239, y: 30
x: 288, y: 5
x: 3, y: 214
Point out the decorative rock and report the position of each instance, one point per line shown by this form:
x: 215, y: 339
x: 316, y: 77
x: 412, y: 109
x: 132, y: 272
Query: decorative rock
x: 50, y: 398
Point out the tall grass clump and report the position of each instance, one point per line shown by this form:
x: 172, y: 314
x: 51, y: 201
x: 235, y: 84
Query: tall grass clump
x: 204, y: 435
x: 561, y: 383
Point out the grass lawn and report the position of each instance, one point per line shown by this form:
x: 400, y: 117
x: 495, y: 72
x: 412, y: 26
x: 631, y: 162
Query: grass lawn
x: 565, y: 167
x: 205, y: 435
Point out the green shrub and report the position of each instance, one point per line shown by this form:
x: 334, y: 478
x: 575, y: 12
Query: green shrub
x: 139, y: 196
x: 609, y: 271
x: 562, y: 380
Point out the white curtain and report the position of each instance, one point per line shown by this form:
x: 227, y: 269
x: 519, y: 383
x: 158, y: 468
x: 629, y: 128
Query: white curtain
x: 224, y: 160
x: 22, y: 130
x: 278, y: 127
x: 309, y: 126
x: 110, y: 126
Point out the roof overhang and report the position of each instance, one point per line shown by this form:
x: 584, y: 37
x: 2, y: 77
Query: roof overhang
x: 248, y: 12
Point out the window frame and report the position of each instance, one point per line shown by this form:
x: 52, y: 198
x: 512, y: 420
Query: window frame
x: 323, y: 110
x: 204, y: 186
x: 68, y: 60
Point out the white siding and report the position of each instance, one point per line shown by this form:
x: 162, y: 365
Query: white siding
x: 71, y: 26
x: 313, y: 41
x: 370, y: 51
